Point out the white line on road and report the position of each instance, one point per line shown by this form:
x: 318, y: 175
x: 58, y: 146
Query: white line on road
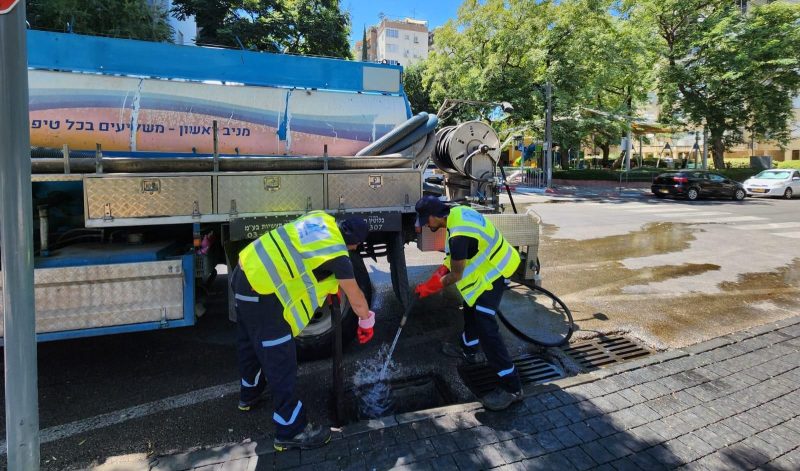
x: 769, y: 225
x: 691, y: 215
x: 793, y: 235
x: 665, y: 209
x: 728, y: 219
x: 116, y: 417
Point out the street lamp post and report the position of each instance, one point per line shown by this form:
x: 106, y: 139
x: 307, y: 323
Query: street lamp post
x: 16, y: 239
x: 548, y: 135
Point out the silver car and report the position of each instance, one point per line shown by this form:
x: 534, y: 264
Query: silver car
x: 784, y: 182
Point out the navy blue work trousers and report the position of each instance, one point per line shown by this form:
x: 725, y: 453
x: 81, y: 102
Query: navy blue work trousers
x: 481, y: 331
x: 266, y: 353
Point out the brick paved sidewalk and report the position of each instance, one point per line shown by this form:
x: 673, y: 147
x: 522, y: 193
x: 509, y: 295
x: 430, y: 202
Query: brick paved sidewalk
x: 730, y: 403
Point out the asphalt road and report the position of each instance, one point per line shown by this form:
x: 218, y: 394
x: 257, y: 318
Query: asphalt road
x: 669, y: 273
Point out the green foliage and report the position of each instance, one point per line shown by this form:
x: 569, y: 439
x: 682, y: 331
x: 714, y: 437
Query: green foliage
x: 131, y: 19
x: 311, y: 27
x: 787, y: 164
x: 417, y: 95
x: 726, y: 70
x: 642, y: 175
x: 506, y: 50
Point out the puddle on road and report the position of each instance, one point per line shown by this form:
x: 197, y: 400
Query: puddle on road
x: 590, y: 274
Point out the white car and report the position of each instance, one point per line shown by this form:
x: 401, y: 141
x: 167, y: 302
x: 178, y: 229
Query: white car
x: 783, y: 182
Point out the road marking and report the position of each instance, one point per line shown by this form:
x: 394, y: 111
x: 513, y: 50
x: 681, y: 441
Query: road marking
x: 793, y: 235
x: 656, y: 210
x: 727, y: 219
x: 769, y: 225
x: 117, y: 417
x: 701, y: 213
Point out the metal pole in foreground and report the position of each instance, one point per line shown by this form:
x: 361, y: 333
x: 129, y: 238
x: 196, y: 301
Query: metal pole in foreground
x: 16, y: 240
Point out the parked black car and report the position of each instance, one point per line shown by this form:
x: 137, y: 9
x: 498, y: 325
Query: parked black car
x: 694, y: 184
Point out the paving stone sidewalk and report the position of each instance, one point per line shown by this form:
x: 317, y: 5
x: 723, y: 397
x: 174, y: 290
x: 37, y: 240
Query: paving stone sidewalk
x: 729, y: 403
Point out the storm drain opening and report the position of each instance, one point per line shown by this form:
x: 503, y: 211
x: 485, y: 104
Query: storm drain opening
x: 604, y: 351
x: 532, y: 368
x: 375, y: 400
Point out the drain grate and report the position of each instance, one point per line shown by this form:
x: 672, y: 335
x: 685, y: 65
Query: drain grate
x: 604, y: 351
x: 533, y: 369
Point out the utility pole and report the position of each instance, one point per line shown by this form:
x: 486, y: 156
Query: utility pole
x: 628, y: 147
x: 548, y: 134
x: 16, y: 240
x: 705, y: 149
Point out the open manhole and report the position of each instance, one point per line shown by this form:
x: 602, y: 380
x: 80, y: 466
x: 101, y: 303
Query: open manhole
x: 533, y: 369
x: 604, y: 351
x: 371, y: 401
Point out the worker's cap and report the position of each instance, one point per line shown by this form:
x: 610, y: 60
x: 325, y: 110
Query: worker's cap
x: 430, y: 206
x: 354, y: 230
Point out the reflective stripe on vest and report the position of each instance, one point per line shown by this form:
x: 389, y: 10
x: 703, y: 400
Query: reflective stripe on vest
x: 282, y: 261
x: 495, y: 256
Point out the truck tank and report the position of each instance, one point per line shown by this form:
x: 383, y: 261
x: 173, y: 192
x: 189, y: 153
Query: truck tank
x: 136, y: 96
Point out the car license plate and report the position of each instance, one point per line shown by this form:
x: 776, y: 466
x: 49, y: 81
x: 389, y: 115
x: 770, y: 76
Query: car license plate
x: 663, y: 191
x: 758, y: 190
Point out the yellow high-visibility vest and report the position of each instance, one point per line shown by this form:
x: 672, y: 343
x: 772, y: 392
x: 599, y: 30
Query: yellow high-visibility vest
x: 281, y: 262
x: 495, y: 256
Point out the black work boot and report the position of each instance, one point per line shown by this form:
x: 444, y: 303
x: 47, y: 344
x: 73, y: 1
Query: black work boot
x: 311, y: 437
x: 456, y: 351
x: 500, y: 399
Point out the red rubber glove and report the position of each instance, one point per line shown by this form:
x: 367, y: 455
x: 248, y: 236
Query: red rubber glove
x: 366, y: 328
x: 433, y: 285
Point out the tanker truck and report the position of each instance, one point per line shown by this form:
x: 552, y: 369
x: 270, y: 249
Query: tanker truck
x: 155, y: 163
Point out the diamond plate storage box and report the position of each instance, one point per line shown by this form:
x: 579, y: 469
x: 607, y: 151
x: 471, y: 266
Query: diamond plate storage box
x: 378, y: 189
x: 93, y: 296
x: 266, y: 193
x: 147, y: 196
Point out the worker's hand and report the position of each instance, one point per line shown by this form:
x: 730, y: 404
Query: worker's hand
x: 366, y: 328
x: 432, y: 286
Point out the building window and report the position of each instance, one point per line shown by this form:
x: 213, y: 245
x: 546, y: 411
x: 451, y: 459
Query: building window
x: 392, y: 33
x: 796, y: 154
x: 405, y: 37
x: 392, y: 47
x: 416, y: 39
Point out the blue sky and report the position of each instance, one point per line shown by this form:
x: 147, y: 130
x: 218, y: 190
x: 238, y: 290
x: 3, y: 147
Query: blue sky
x: 365, y: 12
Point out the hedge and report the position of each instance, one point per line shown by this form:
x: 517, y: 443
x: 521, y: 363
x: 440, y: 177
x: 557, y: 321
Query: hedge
x: 642, y: 175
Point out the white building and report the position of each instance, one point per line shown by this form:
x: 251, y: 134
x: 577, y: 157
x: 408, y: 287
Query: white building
x: 398, y: 41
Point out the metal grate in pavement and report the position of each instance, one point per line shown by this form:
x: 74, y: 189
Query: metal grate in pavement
x: 604, y: 351
x: 533, y: 369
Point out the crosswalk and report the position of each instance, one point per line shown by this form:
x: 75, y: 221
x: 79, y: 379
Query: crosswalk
x: 705, y: 216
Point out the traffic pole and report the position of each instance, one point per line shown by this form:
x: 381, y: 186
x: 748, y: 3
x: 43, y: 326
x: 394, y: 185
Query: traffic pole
x: 16, y: 240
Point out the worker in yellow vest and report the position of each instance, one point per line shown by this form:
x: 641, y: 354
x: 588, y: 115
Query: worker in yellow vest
x: 477, y: 260
x: 282, y: 278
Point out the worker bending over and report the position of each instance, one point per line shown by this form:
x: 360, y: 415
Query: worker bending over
x: 281, y: 279
x: 478, y: 260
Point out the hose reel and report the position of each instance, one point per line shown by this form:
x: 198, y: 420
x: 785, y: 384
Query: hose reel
x: 470, y: 149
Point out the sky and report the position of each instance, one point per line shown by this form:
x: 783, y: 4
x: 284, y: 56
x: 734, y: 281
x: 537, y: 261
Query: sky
x: 365, y: 12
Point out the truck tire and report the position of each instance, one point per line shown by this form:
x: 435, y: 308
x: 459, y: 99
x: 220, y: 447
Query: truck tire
x: 315, y: 342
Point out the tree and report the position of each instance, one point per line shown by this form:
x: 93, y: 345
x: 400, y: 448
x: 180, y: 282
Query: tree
x: 413, y: 85
x: 364, y: 55
x: 507, y: 50
x: 132, y: 19
x: 315, y: 27
x: 728, y: 71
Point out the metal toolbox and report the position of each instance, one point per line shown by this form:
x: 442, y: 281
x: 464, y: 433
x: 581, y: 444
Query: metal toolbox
x: 378, y: 189
x: 269, y: 192
x: 147, y: 196
x: 94, y: 296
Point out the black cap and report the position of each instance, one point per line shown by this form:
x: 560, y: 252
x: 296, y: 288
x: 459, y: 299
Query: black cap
x: 354, y: 230
x: 430, y: 206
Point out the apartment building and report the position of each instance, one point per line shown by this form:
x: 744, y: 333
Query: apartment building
x: 401, y: 42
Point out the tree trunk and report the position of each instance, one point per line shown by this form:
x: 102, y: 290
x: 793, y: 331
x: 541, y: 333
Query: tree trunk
x: 718, y: 150
x: 605, y: 147
x: 564, y: 158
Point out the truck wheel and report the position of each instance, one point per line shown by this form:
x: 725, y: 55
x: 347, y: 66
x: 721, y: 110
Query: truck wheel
x: 316, y: 340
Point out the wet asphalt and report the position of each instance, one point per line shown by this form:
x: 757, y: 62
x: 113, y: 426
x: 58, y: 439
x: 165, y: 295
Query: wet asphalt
x: 647, y: 271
